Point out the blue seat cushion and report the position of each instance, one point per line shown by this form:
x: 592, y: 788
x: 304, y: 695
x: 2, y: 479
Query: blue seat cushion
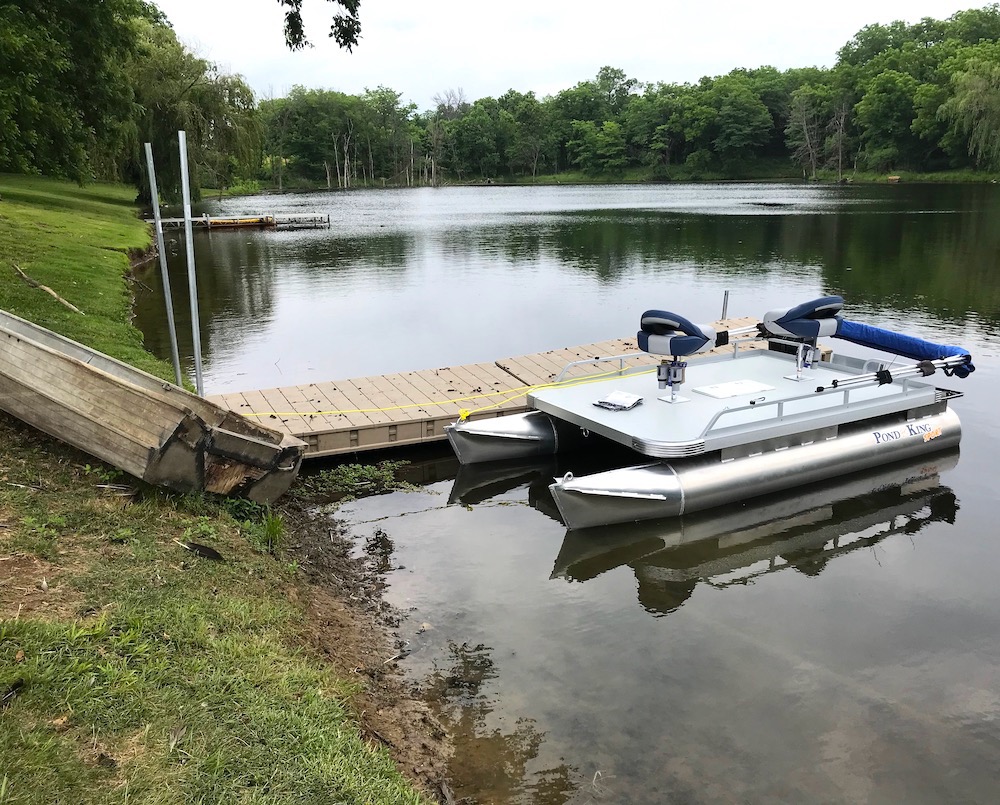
x: 665, y: 333
x: 808, y: 320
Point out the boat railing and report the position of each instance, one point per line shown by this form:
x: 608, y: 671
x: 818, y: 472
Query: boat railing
x: 593, y: 361
x: 843, y: 387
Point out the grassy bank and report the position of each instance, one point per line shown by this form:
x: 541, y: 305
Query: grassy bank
x: 76, y: 241
x: 131, y: 669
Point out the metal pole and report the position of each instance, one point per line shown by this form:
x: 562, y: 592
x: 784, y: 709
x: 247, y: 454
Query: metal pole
x: 725, y: 305
x: 168, y: 297
x: 192, y: 282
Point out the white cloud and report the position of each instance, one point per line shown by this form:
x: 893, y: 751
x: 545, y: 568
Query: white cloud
x: 423, y: 48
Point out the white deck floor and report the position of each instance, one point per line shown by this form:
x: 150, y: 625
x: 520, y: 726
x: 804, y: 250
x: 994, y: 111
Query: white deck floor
x: 752, y: 389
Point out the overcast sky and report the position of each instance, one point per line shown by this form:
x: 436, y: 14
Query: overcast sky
x: 421, y: 48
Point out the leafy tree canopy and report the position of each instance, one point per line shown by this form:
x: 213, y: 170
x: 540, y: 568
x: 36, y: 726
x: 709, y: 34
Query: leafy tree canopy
x: 345, y: 29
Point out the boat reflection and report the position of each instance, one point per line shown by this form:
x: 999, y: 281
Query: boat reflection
x: 801, y: 530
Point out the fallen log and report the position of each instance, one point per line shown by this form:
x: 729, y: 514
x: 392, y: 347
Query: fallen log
x: 36, y: 284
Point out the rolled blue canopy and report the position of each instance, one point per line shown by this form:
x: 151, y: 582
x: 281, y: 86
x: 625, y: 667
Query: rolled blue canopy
x: 906, y: 345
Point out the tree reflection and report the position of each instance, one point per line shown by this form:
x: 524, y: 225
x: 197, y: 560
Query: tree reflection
x: 491, y: 764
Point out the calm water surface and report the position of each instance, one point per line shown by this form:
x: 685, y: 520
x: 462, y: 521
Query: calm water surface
x: 831, y: 644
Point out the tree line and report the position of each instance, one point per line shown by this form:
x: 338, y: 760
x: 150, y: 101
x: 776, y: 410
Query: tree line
x: 86, y: 84
x: 89, y: 83
x: 922, y: 97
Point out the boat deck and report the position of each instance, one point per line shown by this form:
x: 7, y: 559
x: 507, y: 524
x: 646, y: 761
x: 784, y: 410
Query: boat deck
x: 731, y: 400
x: 406, y: 408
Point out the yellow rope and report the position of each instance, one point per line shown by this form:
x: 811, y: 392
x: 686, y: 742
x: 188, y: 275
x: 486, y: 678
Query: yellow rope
x: 507, y: 394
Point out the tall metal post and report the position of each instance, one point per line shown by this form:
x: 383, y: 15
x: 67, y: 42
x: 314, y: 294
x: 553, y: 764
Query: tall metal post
x: 168, y: 297
x: 192, y: 281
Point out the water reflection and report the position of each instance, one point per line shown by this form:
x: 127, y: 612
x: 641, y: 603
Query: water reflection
x: 497, y: 760
x: 552, y: 661
x: 803, y: 529
x: 404, y: 280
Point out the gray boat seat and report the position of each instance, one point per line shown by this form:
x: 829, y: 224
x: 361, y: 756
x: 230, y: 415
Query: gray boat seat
x: 665, y: 333
x: 808, y: 320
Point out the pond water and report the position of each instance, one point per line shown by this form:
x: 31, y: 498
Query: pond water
x: 836, y: 643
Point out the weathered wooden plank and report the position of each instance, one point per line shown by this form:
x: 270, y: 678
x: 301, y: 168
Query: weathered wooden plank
x: 64, y: 380
x: 302, y: 412
x: 360, y: 392
x: 330, y: 398
x: 527, y: 370
x: 135, y: 421
x: 428, y: 393
x: 386, y: 398
x: 411, y: 400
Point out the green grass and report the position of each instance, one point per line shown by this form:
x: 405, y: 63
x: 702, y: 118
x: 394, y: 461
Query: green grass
x: 943, y: 177
x: 77, y: 241
x: 166, y: 675
x: 143, y: 672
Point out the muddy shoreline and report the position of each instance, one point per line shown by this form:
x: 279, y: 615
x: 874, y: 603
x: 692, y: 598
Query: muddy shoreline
x: 351, y: 627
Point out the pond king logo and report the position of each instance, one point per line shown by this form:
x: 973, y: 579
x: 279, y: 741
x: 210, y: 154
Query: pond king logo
x: 926, y: 432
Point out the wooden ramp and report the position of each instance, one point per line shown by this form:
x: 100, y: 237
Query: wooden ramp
x: 408, y: 408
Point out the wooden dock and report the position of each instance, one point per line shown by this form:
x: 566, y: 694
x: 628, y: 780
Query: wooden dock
x: 273, y: 221
x: 409, y: 408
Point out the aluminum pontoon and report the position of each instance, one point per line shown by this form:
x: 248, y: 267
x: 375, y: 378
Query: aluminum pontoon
x: 771, y: 412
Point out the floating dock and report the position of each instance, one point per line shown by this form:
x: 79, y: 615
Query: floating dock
x: 274, y: 221
x: 409, y: 408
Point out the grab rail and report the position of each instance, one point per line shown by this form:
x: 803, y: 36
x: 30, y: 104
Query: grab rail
x: 620, y: 358
x: 837, y: 387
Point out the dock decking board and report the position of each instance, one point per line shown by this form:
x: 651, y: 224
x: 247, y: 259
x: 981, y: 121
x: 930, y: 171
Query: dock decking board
x: 418, y: 404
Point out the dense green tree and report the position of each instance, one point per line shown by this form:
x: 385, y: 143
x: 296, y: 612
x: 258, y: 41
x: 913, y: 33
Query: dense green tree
x: 532, y: 142
x: 583, y: 148
x: 583, y: 102
x: 611, y: 147
x: 744, y: 124
x: 885, y: 116
x: 871, y: 41
x: 175, y: 90
x: 975, y: 109
x: 654, y: 126
x: 392, y: 143
x: 65, y: 100
x: 480, y: 139
x: 321, y: 136
x: 616, y: 90
x: 275, y: 117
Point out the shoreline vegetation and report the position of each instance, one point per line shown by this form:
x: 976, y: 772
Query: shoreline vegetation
x: 635, y: 177
x: 134, y: 670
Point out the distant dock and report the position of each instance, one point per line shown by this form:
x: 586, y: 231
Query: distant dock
x: 408, y: 408
x: 275, y: 221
